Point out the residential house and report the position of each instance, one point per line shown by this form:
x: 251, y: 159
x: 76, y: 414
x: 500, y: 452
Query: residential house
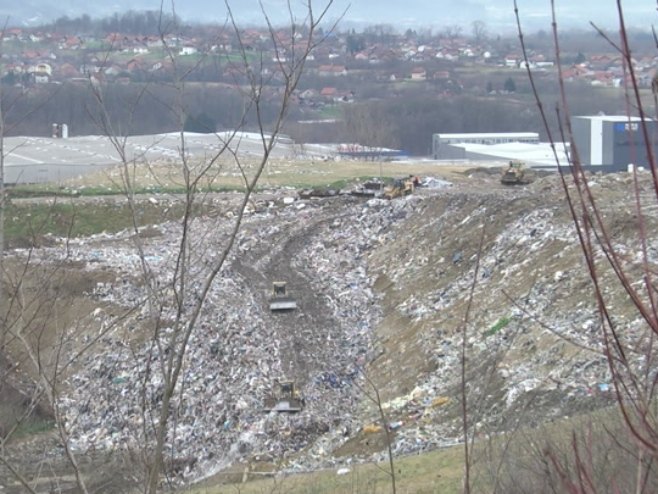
x: 333, y: 94
x: 332, y: 70
x: 40, y: 73
x: 162, y: 66
x: 90, y: 68
x: 70, y: 43
x: 42, y: 68
x: 188, y: 50
x: 134, y: 64
x: 511, y: 61
x: 308, y: 94
x: 328, y: 92
x: 114, y: 40
x: 16, y: 68
x: 12, y: 34
x: 603, y: 61
x: 418, y: 74
x: 41, y: 78
x: 221, y: 48
x: 467, y: 52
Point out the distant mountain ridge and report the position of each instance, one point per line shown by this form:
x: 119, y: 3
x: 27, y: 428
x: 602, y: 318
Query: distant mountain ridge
x: 498, y: 15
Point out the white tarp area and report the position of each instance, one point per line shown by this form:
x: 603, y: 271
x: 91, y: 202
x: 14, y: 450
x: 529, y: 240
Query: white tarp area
x: 47, y: 159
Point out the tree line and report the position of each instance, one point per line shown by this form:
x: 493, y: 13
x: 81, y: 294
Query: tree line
x: 139, y: 23
x: 132, y: 109
x: 406, y: 121
x: 409, y: 121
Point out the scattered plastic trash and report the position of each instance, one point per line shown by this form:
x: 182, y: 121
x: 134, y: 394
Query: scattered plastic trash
x: 372, y: 428
x: 439, y: 401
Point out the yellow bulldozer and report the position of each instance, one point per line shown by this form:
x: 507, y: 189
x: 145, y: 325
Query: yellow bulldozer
x: 514, y: 174
x: 400, y: 187
x: 280, y: 300
x: 285, y: 397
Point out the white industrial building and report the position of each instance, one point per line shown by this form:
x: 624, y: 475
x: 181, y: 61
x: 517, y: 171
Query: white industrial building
x: 605, y: 143
x: 441, y: 142
x: 612, y: 142
x: 499, y: 146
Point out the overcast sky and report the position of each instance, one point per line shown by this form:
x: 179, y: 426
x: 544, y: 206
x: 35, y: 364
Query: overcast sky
x: 498, y: 15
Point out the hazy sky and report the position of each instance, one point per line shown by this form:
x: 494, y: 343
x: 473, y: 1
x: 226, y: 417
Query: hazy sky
x: 498, y: 15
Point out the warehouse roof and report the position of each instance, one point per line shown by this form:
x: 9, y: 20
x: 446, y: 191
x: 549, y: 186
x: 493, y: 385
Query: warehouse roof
x: 540, y: 155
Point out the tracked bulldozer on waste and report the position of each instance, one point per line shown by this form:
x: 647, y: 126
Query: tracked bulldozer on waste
x: 280, y: 300
x: 514, y: 174
x: 400, y: 187
x: 284, y: 398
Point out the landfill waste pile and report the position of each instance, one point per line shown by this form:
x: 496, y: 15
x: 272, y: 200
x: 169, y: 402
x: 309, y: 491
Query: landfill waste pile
x: 382, y: 291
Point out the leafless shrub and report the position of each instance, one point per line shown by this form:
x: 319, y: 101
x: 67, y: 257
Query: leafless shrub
x: 173, y: 311
x: 589, y: 459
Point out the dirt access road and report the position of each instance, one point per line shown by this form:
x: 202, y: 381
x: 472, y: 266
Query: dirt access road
x: 302, y: 333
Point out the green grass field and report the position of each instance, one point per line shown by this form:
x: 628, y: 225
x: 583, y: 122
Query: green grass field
x: 62, y: 210
x: 164, y: 178
x: 436, y: 472
x: 518, y: 459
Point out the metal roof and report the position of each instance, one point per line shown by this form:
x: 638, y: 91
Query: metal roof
x: 614, y: 118
x: 533, y: 154
x: 490, y: 135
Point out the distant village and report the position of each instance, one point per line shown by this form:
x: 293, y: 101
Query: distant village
x: 32, y: 57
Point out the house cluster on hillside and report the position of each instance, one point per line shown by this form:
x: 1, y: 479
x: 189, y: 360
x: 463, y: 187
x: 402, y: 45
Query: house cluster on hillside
x: 604, y: 69
x: 40, y: 57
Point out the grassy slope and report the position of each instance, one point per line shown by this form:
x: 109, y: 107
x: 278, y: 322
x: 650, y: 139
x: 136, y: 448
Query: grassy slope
x: 167, y: 178
x: 65, y: 214
x: 438, y: 471
x: 513, y: 462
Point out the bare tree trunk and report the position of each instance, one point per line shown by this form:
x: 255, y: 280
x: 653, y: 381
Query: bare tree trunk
x: 466, y: 414
x: 186, y: 295
x: 375, y: 398
x: 187, y: 290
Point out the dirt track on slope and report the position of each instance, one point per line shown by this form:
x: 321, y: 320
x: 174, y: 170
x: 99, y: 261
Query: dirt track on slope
x: 302, y: 333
